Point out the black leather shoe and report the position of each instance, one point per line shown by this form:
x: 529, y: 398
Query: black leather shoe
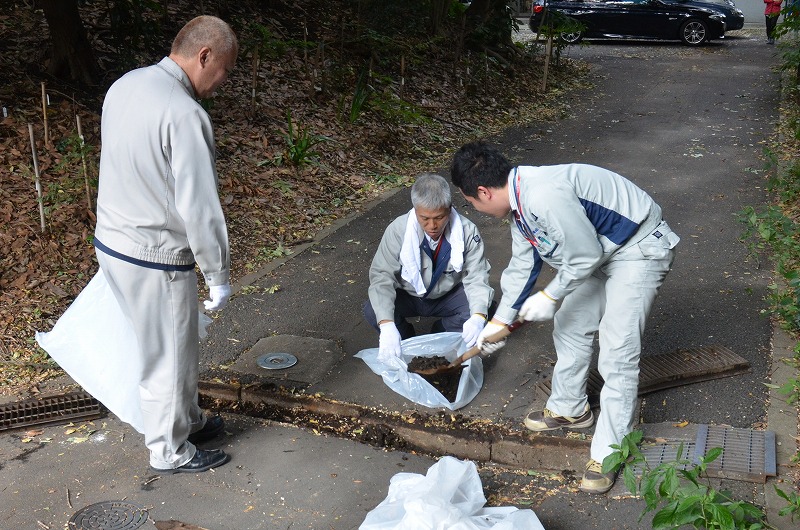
x: 204, y: 459
x: 213, y: 428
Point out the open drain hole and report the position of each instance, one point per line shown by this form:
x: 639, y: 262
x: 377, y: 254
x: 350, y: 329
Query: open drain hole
x: 109, y: 515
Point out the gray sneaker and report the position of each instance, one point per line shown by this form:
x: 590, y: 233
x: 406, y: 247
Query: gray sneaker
x: 594, y: 480
x: 547, y: 420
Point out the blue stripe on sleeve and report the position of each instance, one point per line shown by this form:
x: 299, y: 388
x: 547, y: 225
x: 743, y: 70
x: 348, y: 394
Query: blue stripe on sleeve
x: 609, y: 223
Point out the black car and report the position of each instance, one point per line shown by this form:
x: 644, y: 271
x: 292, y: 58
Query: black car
x: 692, y: 22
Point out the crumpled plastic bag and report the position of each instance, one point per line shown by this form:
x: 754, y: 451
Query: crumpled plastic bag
x: 413, y: 386
x: 95, y: 344
x: 449, y: 496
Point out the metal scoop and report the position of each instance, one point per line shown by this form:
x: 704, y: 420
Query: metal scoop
x: 470, y: 353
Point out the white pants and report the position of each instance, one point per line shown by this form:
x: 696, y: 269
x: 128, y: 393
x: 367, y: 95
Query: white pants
x: 615, y: 302
x: 162, y: 307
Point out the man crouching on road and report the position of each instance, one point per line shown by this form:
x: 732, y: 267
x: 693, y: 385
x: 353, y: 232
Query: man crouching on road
x: 158, y: 212
x: 612, y: 252
x: 430, y: 263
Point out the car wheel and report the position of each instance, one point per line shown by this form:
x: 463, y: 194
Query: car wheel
x: 694, y: 32
x: 570, y: 38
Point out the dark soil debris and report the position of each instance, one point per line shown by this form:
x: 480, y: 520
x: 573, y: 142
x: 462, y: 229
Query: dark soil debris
x: 446, y: 383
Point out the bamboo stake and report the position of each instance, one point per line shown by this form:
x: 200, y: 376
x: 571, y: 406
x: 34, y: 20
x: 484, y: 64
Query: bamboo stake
x: 256, y: 65
x: 305, y: 46
x: 83, y: 161
x: 319, y: 69
x: 36, y: 173
x: 402, y: 74
x: 44, y: 115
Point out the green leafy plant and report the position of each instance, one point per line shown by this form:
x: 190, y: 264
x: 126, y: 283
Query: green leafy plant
x: 775, y: 229
x: 564, y: 31
x: 300, y: 144
x: 675, y: 492
x: 393, y: 109
x: 793, y: 502
x: 787, y: 33
x: 361, y: 96
x: 281, y: 185
x: 269, y: 254
x: 391, y: 179
x: 792, y: 390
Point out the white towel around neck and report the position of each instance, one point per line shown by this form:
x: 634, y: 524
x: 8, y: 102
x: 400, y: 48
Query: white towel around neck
x: 410, y: 251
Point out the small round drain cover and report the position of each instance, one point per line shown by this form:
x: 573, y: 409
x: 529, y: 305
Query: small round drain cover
x: 109, y: 515
x: 276, y: 361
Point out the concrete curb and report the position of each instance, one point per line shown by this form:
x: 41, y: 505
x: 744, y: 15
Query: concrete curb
x: 782, y: 420
x: 498, y: 444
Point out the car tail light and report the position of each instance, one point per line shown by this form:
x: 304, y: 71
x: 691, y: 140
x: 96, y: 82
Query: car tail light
x: 538, y: 9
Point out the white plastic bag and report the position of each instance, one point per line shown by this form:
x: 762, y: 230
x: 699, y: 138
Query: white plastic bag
x: 95, y: 344
x: 449, y: 495
x: 413, y: 386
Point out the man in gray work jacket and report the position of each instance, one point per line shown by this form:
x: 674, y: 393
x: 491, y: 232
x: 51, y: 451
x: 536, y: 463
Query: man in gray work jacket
x: 430, y: 263
x: 159, y: 214
x: 612, y: 252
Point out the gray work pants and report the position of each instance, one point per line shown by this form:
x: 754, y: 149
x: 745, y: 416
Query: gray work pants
x: 162, y: 308
x: 614, y: 302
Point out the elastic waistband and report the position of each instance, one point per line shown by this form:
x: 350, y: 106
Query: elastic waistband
x: 141, y: 263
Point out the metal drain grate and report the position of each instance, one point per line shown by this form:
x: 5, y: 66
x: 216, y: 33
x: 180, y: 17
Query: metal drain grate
x: 109, y: 515
x: 51, y: 409
x: 657, y: 454
x: 747, y: 455
x: 668, y: 370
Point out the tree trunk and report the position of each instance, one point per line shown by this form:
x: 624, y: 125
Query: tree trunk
x: 71, y: 55
x: 438, y: 13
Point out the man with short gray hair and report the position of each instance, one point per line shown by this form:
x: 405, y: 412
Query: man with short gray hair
x: 430, y: 263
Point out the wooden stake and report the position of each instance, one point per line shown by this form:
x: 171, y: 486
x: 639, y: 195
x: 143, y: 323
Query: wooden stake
x: 547, y: 51
x: 83, y: 161
x: 319, y: 68
x: 44, y: 115
x: 36, y: 173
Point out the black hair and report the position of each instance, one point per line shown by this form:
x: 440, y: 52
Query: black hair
x: 479, y: 164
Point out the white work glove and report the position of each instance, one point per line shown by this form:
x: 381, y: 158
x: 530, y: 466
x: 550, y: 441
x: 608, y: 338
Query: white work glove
x: 389, y: 342
x: 472, y: 328
x: 219, y: 294
x: 490, y: 347
x: 538, y: 307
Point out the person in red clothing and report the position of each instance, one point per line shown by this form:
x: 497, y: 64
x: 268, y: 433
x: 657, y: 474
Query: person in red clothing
x: 771, y: 11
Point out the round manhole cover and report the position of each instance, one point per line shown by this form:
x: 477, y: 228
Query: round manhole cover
x: 109, y: 515
x: 276, y: 361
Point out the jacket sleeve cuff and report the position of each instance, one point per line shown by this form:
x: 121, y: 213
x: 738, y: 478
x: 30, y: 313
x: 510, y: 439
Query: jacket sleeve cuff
x: 217, y: 278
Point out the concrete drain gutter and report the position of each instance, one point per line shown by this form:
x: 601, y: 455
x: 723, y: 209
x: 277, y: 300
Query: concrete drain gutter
x: 432, y: 434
